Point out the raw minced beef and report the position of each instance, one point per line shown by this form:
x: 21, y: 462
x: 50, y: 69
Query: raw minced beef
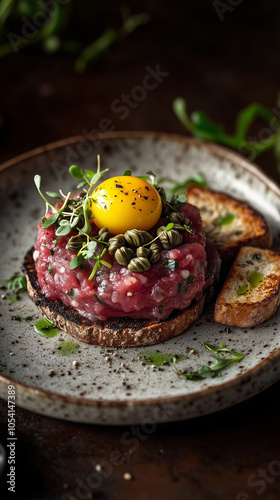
x: 116, y: 291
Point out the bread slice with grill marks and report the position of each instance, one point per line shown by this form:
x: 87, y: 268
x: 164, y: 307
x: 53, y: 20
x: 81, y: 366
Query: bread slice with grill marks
x: 229, y: 224
x: 251, y: 293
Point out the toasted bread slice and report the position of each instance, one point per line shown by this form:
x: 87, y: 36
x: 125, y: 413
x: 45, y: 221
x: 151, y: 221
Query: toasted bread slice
x: 229, y: 224
x: 115, y: 332
x: 251, y: 293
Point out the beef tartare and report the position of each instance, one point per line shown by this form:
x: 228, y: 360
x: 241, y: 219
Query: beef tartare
x: 171, y: 283
x: 149, y: 262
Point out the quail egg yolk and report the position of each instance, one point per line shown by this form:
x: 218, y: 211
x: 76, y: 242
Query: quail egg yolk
x: 125, y: 202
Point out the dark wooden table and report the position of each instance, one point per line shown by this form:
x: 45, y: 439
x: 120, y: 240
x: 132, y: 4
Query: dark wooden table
x: 234, y: 454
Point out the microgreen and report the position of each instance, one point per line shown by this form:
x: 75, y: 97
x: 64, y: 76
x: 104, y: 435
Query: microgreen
x: 188, y: 228
x: 99, y: 263
x: 89, y: 176
x: 88, y: 249
x: 149, y: 177
x: 64, y: 228
x: 87, y: 216
x: 87, y: 252
x: 53, y: 194
x: 76, y: 172
x: 76, y: 261
x: 37, y: 181
x: 52, y: 220
x: 15, y: 285
x: 167, y: 228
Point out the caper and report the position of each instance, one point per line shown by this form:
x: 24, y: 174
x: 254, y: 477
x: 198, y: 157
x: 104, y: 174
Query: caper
x: 137, y: 238
x: 139, y: 264
x: 176, y: 217
x: 143, y: 252
x: 155, y: 257
x: 155, y: 247
x: 104, y: 234
x: 155, y: 253
x: 75, y: 243
x: 160, y: 230
x: 81, y: 222
x: 171, y: 239
x: 124, y: 255
x: 115, y: 243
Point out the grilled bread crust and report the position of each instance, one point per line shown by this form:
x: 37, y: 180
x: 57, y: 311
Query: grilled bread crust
x: 259, y: 302
x: 113, y: 332
x: 248, y: 227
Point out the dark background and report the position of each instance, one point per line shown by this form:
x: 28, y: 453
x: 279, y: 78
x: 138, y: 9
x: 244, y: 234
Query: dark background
x: 219, y: 67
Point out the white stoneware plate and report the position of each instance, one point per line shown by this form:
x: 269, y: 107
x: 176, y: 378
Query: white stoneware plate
x: 122, y: 390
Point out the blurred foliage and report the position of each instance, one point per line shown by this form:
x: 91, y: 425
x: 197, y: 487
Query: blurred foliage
x: 268, y: 137
x: 24, y: 23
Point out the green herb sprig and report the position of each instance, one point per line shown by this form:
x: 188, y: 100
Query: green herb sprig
x: 87, y: 252
x: 167, y: 228
x: 213, y: 369
x: 15, y: 285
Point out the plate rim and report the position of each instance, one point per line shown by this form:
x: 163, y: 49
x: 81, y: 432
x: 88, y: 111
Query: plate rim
x: 105, y: 403
x: 217, y: 150
x: 220, y: 152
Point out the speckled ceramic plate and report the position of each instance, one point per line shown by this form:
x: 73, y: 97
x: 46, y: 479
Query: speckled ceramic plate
x: 111, y: 386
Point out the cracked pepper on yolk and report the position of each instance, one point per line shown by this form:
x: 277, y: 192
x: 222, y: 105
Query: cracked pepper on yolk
x: 125, y: 202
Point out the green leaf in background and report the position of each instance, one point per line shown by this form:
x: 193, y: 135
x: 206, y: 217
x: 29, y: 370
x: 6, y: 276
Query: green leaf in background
x: 180, y: 187
x: 200, y: 126
x: 97, y: 49
x: 51, y: 35
x: 6, y: 8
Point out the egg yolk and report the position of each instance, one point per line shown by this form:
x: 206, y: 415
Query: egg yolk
x: 125, y: 202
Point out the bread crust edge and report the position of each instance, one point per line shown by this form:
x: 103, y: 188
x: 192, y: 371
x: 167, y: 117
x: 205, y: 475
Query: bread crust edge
x: 118, y: 332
